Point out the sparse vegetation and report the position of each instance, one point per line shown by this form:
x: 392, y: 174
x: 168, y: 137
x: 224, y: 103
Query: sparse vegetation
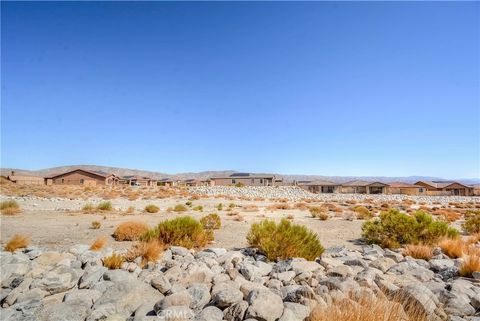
x: 113, y: 261
x: 220, y: 207
x: 472, y: 223
x: 284, y: 240
x: 188, y: 203
x: 394, y: 229
x: 88, y: 208
x: 198, y: 208
x: 9, y: 207
x: 180, y: 208
x: 470, y: 264
x: 316, y: 211
x: 104, y: 206
x: 18, y: 241
x: 362, y: 212
x: 95, y: 225
x: 99, y: 243
x: 419, y: 251
x: 182, y: 231
x: 130, y: 231
x: 150, y: 208
x: 280, y: 206
x: 148, y: 251
x: 211, y: 221
x: 130, y: 210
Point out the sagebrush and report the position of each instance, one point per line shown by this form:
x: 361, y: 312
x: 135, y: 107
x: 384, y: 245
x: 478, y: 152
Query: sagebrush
x: 211, y: 221
x: 130, y: 231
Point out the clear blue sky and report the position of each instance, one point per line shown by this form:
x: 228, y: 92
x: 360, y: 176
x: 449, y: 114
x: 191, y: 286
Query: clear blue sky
x: 333, y: 88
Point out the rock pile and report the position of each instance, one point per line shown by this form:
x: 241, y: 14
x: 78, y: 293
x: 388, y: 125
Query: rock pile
x: 216, y: 284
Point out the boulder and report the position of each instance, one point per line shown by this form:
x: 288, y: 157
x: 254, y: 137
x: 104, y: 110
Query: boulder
x: 264, y: 305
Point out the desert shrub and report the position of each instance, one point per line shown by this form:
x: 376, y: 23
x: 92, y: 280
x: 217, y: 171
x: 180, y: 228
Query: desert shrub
x: 472, y: 224
x: 220, y: 206
x: 424, y: 252
x: 231, y: 205
x: 284, y: 240
x: 18, y: 241
x: 470, y: 264
x: 148, y: 251
x: 113, y: 261
x: 211, y: 221
x: 198, y: 208
x: 301, y: 206
x: 362, y: 212
x: 151, y: 208
x: 239, y: 184
x: 99, y: 243
x: 280, y: 206
x: 447, y: 215
x: 470, y: 213
x: 394, y: 229
x: 9, y: 207
x: 96, y: 225
x: 87, y: 208
x: 104, y: 206
x: 181, y: 231
x: 180, y: 208
x: 316, y: 211
x: 323, y: 216
x: 453, y: 248
x: 130, y: 231
x: 188, y: 203
x: 130, y: 210
x: 290, y: 217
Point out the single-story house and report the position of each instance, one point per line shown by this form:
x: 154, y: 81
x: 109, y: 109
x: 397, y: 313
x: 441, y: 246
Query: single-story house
x: 321, y: 186
x: 247, y: 179
x: 476, y: 189
x: 167, y: 182
x: 364, y: 187
x: 406, y: 189
x: 83, y: 177
x: 136, y: 180
x: 195, y: 182
x: 25, y: 179
x: 439, y: 188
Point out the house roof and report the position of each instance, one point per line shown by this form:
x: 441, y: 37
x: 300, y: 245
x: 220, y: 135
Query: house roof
x: 362, y: 183
x: 441, y: 184
x: 166, y: 180
x: 320, y: 183
x: 98, y: 173
x: 245, y: 175
x: 136, y: 177
x: 402, y: 185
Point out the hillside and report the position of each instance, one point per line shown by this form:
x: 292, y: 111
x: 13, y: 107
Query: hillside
x: 207, y: 174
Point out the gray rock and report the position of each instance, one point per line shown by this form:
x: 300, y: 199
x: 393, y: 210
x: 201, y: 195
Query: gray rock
x: 441, y: 264
x: 200, y: 295
x: 211, y: 313
x: 182, y: 298
x: 176, y: 313
x: 383, y: 264
x: 236, y: 311
x: 421, y: 297
x: 161, y: 283
x: 226, y: 297
x: 294, y: 312
x: 118, y: 276
x: 341, y: 270
x: 92, y: 275
x: 16, y: 292
x: 297, y: 293
x: 63, y: 311
x: 300, y: 266
x: 264, y: 305
x: 85, y: 297
x: 178, y: 250
x: 60, y: 279
x: 413, y: 269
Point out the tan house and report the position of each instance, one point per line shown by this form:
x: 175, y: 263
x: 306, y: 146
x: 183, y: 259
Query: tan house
x: 135, y: 180
x: 364, y: 187
x: 440, y: 188
x: 25, y: 179
x: 83, y: 177
x: 405, y: 189
x: 321, y: 186
x: 476, y: 189
x: 247, y: 179
x: 167, y: 182
x: 195, y: 182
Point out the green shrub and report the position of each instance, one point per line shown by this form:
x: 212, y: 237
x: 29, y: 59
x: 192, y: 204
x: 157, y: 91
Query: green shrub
x: 181, y: 231
x: 220, y: 207
x: 151, y: 208
x: 472, y: 224
x: 96, y: 225
x: 394, y: 229
x: 180, y: 208
x: 211, y: 221
x: 284, y: 240
x: 198, y: 208
x: 104, y: 206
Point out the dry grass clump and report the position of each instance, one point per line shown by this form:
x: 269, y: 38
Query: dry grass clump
x: 9, y: 207
x: 148, y: 251
x: 198, y: 208
x: 423, y: 252
x: 366, y: 308
x: 284, y: 240
x: 394, y: 229
x: 130, y: 210
x: 457, y: 248
x: 130, y: 231
x: 95, y: 225
x: 362, y: 212
x: 447, y: 215
x: 104, y: 206
x: 280, y: 206
x: 150, y: 208
x: 181, y: 231
x: 470, y: 264
x: 250, y: 208
x: 290, y: 217
x: 113, y: 261
x: 301, y: 206
x: 195, y: 197
x: 318, y: 212
x: 18, y: 241
x: 99, y: 243
x: 88, y: 208
x: 472, y: 223
x: 211, y: 221
x: 180, y: 208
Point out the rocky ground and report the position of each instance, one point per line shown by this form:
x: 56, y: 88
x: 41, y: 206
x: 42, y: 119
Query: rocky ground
x: 218, y: 284
x: 295, y: 194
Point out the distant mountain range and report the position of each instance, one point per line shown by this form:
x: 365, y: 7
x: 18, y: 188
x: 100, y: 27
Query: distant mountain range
x: 204, y: 175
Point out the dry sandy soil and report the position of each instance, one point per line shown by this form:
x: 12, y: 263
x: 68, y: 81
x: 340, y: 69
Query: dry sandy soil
x: 61, y: 229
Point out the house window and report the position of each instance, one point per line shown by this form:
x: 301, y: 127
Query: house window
x: 82, y: 180
x: 233, y: 181
x: 261, y: 180
x: 420, y: 190
x: 63, y: 180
